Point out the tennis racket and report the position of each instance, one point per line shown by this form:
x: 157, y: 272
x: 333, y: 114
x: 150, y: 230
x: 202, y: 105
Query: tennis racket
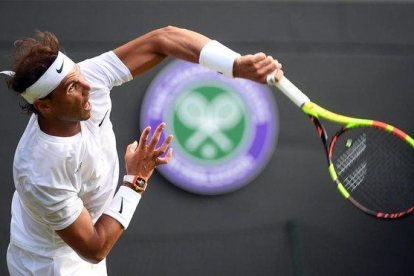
x: 370, y: 162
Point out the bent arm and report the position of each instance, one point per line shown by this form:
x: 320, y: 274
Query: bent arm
x: 92, y: 242
x: 145, y: 52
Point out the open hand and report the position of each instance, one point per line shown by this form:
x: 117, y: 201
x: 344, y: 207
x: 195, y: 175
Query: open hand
x: 141, y: 159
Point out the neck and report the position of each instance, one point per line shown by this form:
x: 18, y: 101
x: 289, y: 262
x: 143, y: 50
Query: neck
x: 57, y: 127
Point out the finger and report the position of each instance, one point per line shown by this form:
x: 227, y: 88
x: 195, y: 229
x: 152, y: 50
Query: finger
x: 279, y: 75
x: 156, y: 137
x: 278, y: 65
x: 164, y: 160
x: 264, y: 71
x: 266, y: 61
x: 164, y: 146
x: 270, y: 59
x: 132, y: 147
x: 143, y: 139
x: 266, y: 67
x: 272, y: 78
x: 259, y: 57
x: 270, y: 72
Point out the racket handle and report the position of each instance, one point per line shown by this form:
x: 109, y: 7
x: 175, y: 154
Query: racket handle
x: 292, y: 92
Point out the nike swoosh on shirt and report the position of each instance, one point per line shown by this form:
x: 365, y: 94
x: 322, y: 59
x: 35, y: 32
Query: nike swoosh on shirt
x: 103, y: 118
x: 122, y: 205
x: 79, y: 167
x: 61, y: 68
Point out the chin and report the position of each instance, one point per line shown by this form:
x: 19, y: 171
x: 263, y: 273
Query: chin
x: 86, y: 117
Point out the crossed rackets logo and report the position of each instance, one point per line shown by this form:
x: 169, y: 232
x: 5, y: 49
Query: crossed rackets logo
x: 211, y: 123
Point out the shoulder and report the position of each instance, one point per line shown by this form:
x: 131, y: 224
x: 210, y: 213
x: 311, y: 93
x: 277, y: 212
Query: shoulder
x: 106, y: 69
x: 46, y: 159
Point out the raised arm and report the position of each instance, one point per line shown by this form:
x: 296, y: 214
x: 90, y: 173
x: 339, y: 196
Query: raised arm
x: 145, y: 52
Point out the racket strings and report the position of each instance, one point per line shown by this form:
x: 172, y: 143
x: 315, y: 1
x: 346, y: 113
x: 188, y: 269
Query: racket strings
x: 395, y: 194
x: 391, y: 199
x: 389, y: 164
x: 351, y: 154
x: 376, y: 168
x: 381, y: 200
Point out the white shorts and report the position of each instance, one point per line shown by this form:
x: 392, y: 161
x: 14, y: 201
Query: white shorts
x: 22, y: 262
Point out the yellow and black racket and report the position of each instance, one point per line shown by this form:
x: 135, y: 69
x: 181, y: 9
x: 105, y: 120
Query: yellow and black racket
x: 371, y: 163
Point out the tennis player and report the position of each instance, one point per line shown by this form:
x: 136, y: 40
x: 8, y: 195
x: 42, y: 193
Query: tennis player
x: 66, y: 215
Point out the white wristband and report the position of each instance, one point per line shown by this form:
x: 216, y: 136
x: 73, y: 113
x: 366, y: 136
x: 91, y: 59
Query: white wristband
x: 123, y: 205
x: 218, y: 57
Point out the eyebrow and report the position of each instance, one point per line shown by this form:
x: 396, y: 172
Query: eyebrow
x: 75, y: 74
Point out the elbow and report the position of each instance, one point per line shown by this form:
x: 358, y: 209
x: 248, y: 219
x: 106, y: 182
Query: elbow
x: 93, y: 257
x: 170, y: 28
x: 163, y: 39
x: 166, y: 32
x: 97, y: 259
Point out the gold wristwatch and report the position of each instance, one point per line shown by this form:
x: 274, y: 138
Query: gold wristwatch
x: 139, y: 183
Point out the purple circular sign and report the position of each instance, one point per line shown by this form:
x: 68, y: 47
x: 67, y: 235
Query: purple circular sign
x: 225, y: 130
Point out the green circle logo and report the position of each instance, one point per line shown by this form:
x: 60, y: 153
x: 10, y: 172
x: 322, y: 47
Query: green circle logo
x: 209, y: 123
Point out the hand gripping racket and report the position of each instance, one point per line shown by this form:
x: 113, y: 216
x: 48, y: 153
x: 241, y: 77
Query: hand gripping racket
x: 371, y: 163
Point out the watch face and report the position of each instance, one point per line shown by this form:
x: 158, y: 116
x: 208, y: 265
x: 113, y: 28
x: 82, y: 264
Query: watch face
x: 140, y: 182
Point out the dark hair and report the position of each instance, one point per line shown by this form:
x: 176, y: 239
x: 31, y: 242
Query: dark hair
x: 31, y: 58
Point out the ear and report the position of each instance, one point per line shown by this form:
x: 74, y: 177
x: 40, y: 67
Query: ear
x: 44, y: 106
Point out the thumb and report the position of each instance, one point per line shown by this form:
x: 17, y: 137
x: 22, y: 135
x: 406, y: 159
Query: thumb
x: 132, y: 147
x: 279, y: 75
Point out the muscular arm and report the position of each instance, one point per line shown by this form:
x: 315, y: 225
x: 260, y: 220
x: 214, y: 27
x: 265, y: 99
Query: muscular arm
x: 94, y: 242
x: 143, y: 53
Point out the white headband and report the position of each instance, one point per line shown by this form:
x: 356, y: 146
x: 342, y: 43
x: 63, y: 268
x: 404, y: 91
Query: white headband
x: 49, y: 80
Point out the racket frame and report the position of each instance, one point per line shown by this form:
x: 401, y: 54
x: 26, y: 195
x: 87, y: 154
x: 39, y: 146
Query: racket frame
x: 315, y: 112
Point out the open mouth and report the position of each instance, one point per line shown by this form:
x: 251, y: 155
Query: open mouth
x: 87, y: 106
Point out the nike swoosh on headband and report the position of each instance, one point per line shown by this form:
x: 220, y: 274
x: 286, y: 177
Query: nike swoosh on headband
x: 61, y: 67
x: 8, y: 73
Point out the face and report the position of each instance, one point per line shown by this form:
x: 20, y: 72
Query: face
x: 70, y: 100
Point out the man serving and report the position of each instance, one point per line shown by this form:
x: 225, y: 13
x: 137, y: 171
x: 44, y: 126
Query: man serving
x: 66, y: 215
